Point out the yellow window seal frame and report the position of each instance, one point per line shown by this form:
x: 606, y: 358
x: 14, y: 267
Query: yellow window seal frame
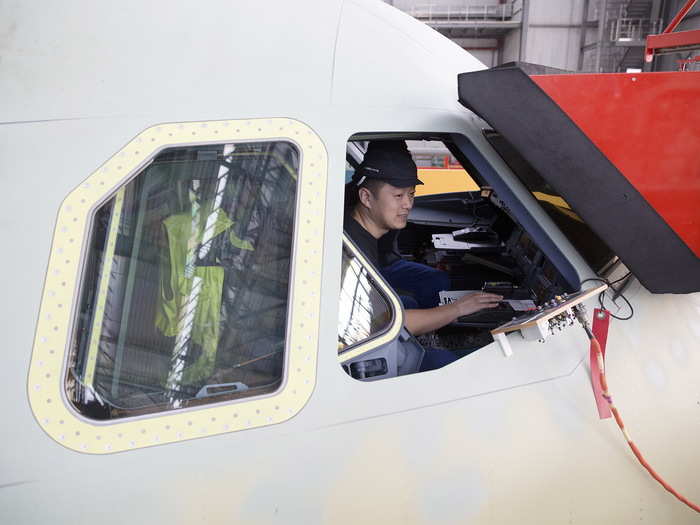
x: 46, y: 377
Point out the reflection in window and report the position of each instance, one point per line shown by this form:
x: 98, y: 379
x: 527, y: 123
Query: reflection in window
x: 184, y: 292
x: 364, y: 311
x: 586, y: 241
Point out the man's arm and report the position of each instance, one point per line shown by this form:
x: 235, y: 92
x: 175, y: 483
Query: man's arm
x: 426, y: 320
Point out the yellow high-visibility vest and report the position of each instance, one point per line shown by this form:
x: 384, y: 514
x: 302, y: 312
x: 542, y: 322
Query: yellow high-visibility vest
x: 190, y: 295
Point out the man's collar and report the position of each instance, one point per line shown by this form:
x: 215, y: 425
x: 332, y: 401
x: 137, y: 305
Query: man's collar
x: 367, y: 224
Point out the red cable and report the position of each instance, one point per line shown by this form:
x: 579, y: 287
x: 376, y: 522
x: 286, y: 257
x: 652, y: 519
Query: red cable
x: 620, y: 423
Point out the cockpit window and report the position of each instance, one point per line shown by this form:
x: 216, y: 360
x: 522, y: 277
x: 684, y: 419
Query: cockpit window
x: 364, y: 311
x: 592, y: 248
x: 184, y: 294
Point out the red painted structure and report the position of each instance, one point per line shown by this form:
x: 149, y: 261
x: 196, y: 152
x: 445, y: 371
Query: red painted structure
x: 670, y: 42
x: 648, y: 125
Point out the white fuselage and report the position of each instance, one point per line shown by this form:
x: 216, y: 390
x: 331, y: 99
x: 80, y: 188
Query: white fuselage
x: 487, y: 439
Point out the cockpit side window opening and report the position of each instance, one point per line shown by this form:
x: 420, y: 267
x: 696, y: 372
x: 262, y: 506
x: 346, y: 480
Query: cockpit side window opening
x: 185, y: 293
x: 444, y: 233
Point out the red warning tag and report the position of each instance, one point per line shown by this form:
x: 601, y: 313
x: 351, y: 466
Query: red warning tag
x: 601, y: 322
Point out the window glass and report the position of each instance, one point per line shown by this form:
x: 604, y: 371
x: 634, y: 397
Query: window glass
x: 349, y: 171
x: 592, y: 248
x: 185, y: 285
x: 364, y: 311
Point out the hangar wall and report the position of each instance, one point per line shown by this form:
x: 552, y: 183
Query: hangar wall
x: 573, y: 35
x: 553, y: 35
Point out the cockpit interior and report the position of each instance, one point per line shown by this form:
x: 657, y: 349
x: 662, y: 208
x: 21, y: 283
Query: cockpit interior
x: 467, y: 222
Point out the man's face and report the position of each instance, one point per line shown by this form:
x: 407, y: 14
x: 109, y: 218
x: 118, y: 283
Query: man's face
x: 391, y: 205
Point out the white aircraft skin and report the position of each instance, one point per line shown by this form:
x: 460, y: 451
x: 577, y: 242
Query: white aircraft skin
x: 487, y: 439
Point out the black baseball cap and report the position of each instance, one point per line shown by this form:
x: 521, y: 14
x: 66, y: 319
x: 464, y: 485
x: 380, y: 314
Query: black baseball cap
x: 388, y: 161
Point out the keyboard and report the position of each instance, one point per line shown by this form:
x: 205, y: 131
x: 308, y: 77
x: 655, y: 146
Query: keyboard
x: 489, y: 318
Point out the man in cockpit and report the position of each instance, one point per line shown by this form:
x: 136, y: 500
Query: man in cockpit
x: 378, y: 199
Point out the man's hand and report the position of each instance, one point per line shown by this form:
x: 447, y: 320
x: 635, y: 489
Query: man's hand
x: 473, y: 302
x: 421, y: 321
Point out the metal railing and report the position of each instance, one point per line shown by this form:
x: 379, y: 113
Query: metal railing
x: 634, y: 29
x: 461, y: 12
x: 613, y: 9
